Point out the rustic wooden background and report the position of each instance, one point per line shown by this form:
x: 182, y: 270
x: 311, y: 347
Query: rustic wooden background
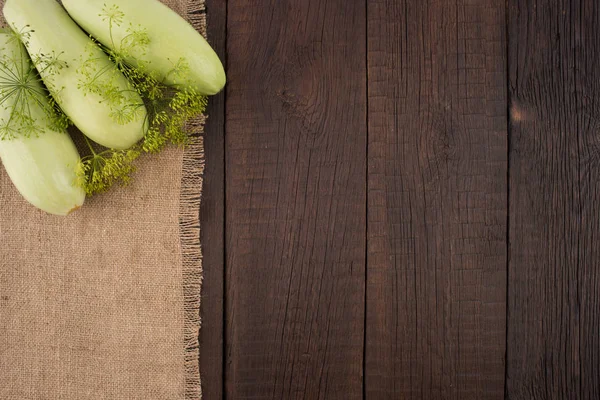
x: 403, y: 201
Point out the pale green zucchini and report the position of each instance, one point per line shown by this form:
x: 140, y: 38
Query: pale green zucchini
x: 37, y: 154
x: 172, y: 49
x: 89, y: 88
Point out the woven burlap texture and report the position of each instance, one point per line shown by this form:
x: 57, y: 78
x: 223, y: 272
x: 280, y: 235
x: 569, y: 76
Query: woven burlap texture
x: 104, y: 303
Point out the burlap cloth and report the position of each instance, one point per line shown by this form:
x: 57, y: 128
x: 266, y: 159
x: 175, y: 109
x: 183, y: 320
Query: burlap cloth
x: 104, y: 304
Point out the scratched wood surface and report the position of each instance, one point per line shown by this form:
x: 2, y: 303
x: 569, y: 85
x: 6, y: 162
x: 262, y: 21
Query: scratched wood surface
x: 400, y: 201
x: 212, y: 222
x: 437, y: 200
x: 296, y: 145
x: 554, y: 274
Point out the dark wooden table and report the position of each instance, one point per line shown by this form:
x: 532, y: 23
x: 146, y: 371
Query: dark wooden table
x: 402, y: 201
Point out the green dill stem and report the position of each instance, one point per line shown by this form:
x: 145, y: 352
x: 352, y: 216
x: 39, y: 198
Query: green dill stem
x: 110, y: 29
x: 87, y: 141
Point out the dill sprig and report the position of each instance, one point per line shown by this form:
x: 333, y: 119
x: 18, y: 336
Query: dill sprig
x: 168, y: 108
x: 24, y: 96
x: 100, y: 170
x: 99, y: 78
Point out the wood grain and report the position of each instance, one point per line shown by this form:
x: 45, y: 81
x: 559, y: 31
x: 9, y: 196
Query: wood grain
x: 554, y: 286
x: 212, y: 214
x: 296, y: 199
x: 437, y: 199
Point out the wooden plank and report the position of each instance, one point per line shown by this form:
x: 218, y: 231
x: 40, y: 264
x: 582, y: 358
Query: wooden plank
x: 212, y: 215
x: 436, y: 289
x: 554, y: 273
x: 296, y: 199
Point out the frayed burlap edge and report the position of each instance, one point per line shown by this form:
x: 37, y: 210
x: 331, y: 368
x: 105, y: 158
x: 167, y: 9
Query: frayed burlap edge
x: 189, y: 222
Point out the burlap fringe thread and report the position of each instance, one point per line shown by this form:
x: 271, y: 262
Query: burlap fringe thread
x: 189, y: 223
